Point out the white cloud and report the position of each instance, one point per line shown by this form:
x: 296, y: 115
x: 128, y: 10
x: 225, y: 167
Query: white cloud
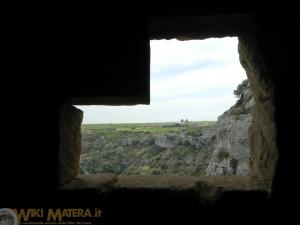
x: 164, y: 52
x: 196, y: 81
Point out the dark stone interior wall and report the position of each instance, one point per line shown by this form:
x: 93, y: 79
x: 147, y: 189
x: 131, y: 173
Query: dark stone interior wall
x: 107, y: 55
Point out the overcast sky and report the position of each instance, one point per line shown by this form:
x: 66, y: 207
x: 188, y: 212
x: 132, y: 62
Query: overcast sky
x: 191, y: 80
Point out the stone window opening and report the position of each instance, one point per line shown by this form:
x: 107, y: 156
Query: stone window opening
x: 262, y: 138
x: 148, y: 140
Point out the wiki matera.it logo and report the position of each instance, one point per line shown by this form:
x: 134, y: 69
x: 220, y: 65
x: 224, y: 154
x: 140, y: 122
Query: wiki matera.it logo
x: 8, y: 217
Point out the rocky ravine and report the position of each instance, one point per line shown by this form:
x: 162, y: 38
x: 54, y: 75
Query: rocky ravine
x: 221, y: 149
x: 231, y: 155
x: 182, y: 153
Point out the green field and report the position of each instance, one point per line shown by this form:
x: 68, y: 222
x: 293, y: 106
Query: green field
x: 146, y: 127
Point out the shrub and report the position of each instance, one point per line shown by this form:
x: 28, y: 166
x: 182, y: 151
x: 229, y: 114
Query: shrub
x: 239, y: 91
x: 223, y: 155
x: 233, y: 163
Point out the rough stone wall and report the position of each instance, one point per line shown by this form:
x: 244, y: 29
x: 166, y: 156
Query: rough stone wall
x: 263, y: 129
x: 198, y: 27
x: 70, y: 143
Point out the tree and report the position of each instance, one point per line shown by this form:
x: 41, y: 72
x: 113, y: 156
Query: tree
x: 238, y: 92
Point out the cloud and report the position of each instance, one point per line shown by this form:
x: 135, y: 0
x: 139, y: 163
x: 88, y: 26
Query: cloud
x: 174, y: 69
x: 197, y: 81
x: 172, y: 52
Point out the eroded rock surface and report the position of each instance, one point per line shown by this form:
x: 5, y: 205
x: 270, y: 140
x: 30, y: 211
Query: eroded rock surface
x: 231, y: 154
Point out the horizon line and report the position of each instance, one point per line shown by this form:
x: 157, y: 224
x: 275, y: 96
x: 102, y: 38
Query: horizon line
x: 149, y: 122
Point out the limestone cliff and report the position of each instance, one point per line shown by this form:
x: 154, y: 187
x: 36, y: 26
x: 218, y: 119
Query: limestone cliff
x: 231, y: 154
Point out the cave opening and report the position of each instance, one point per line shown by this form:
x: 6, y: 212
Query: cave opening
x: 197, y: 122
x: 262, y: 133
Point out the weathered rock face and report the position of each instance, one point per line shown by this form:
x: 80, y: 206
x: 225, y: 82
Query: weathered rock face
x: 231, y: 154
x: 166, y: 140
x: 171, y: 140
x: 70, y: 143
x: 263, y: 132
